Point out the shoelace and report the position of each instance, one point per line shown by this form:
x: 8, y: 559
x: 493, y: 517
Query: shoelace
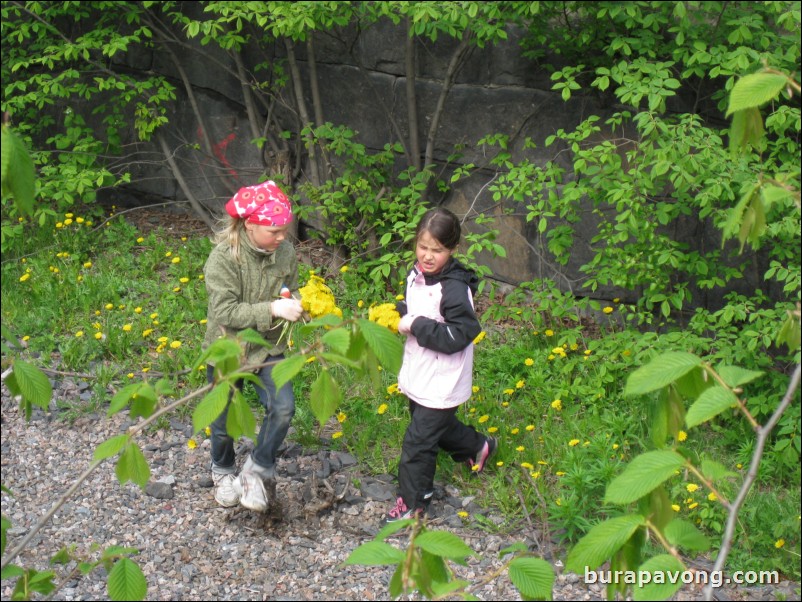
x: 400, y: 508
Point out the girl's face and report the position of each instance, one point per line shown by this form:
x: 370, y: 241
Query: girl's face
x: 266, y: 238
x: 431, y: 255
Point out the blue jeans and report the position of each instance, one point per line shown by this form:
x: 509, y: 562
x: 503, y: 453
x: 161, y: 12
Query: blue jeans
x: 279, y: 410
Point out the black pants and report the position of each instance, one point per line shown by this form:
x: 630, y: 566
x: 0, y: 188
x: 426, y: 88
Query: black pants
x: 428, y: 432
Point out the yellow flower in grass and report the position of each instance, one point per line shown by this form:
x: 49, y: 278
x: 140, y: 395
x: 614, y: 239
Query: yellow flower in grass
x: 382, y: 409
x: 183, y: 280
x: 175, y: 344
x: 130, y: 375
x: 560, y: 473
x: 712, y: 496
x: 500, y: 463
x: 79, y: 334
x: 527, y: 465
x: 208, y: 431
x: 573, y: 442
x: 530, y: 427
x: 549, y: 332
x: 529, y: 362
x: 691, y: 487
x: 492, y: 429
x: 692, y: 506
x: 479, y: 337
x: 87, y: 264
x: 109, y: 305
x: 520, y: 448
x: 343, y: 269
x: 535, y: 475
x: 341, y: 417
x: 484, y: 418
x: 675, y: 507
x: 520, y: 384
x: 682, y: 436
x: 191, y: 444
x: 127, y: 328
x: 337, y: 435
x: 385, y: 315
x: 137, y: 310
x: 779, y: 543
x: 175, y: 260
x: 147, y: 332
x: 392, y: 389
x: 462, y: 514
x: 98, y: 335
x: 608, y: 310
x: 557, y: 404
x: 515, y: 431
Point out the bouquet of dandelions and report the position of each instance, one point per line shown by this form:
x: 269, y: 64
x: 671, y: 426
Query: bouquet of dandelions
x: 316, y: 299
x: 385, y: 314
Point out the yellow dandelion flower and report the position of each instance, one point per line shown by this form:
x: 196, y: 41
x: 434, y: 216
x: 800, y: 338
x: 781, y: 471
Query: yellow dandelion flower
x: 360, y: 304
x: 739, y: 466
x: 341, y: 417
x: 520, y: 384
x: 479, y: 337
x: 484, y: 418
x: 208, y: 431
x: 475, y: 389
x: 691, y: 487
x: 154, y: 315
x: 520, y: 448
x: 177, y: 289
x: 382, y: 409
x: 337, y: 435
x: 79, y: 334
x: 399, y: 297
x: 509, y: 391
x: 25, y: 277
x: 530, y: 427
x: 343, y: 269
x: 175, y: 344
x: 712, y: 496
x: 515, y: 431
x: 127, y: 328
x: 137, y: 310
x: 560, y: 473
x: 505, y: 404
x: 573, y: 442
x: 615, y: 445
x: 549, y: 332
x: 692, y: 506
x: 109, y: 306
x: 392, y: 389
x: 535, y: 475
x: 191, y: 444
x: 98, y: 335
x: 779, y: 543
x: 682, y: 436
x: 87, y: 264
x: 492, y: 429
x: 527, y: 465
x: 462, y: 514
x: 59, y: 225
x: 550, y: 358
x: 529, y: 362
x: 475, y: 468
x: 500, y: 463
x: 588, y: 352
x: 385, y: 315
x: 557, y: 404
x: 175, y: 260
x: 130, y: 375
x: 675, y: 507
x: 147, y: 332
x: 608, y: 310
x: 183, y: 280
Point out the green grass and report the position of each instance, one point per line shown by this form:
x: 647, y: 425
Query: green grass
x: 119, y: 305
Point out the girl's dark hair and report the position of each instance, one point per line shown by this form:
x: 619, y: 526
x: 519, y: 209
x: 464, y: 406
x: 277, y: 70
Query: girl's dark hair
x: 442, y: 225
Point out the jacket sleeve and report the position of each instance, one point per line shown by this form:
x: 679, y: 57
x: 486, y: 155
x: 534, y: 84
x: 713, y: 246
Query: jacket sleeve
x: 223, y: 286
x: 460, y: 326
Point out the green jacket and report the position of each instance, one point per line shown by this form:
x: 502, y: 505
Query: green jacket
x: 240, y: 294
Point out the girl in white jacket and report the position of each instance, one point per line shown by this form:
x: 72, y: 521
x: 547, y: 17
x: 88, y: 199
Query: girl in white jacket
x: 439, y: 320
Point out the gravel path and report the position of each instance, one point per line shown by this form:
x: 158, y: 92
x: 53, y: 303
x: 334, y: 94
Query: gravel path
x: 191, y: 549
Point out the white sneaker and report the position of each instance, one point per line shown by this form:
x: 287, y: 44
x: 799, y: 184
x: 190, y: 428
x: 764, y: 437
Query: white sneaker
x: 251, y: 492
x: 225, y: 493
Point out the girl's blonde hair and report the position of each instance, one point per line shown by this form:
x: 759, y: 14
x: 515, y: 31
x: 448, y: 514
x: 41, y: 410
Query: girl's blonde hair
x: 230, y: 230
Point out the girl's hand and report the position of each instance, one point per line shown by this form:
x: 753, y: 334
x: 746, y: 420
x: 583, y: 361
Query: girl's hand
x: 289, y: 309
x: 405, y: 324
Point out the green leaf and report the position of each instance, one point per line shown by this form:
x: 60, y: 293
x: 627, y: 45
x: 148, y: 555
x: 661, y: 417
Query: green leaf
x: 746, y: 130
x: 240, y: 420
x: 710, y: 404
x: 324, y: 397
x: 715, y: 471
x: 249, y: 335
x: 210, y: 407
x: 123, y: 397
x: 375, y: 553
x: 32, y: 383
x: 383, y: 343
x: 735, y: 376
x: 662, y: 567
x: 132, y: 466
x: 143, y: 402
x: 111, y: 447
x: 18, y: 172
x: 126, y: 581
x: 682, y: 534
x: 287, y: 369
x: 601, y: 542
x: 533, y: 577
x: 442, y: 543
x: 755, y: 90
x: 661, y: 371
x: 339, y: 340
x: 643, y: 474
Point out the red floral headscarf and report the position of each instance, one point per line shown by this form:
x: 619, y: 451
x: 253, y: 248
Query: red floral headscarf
x: 264, y: 204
